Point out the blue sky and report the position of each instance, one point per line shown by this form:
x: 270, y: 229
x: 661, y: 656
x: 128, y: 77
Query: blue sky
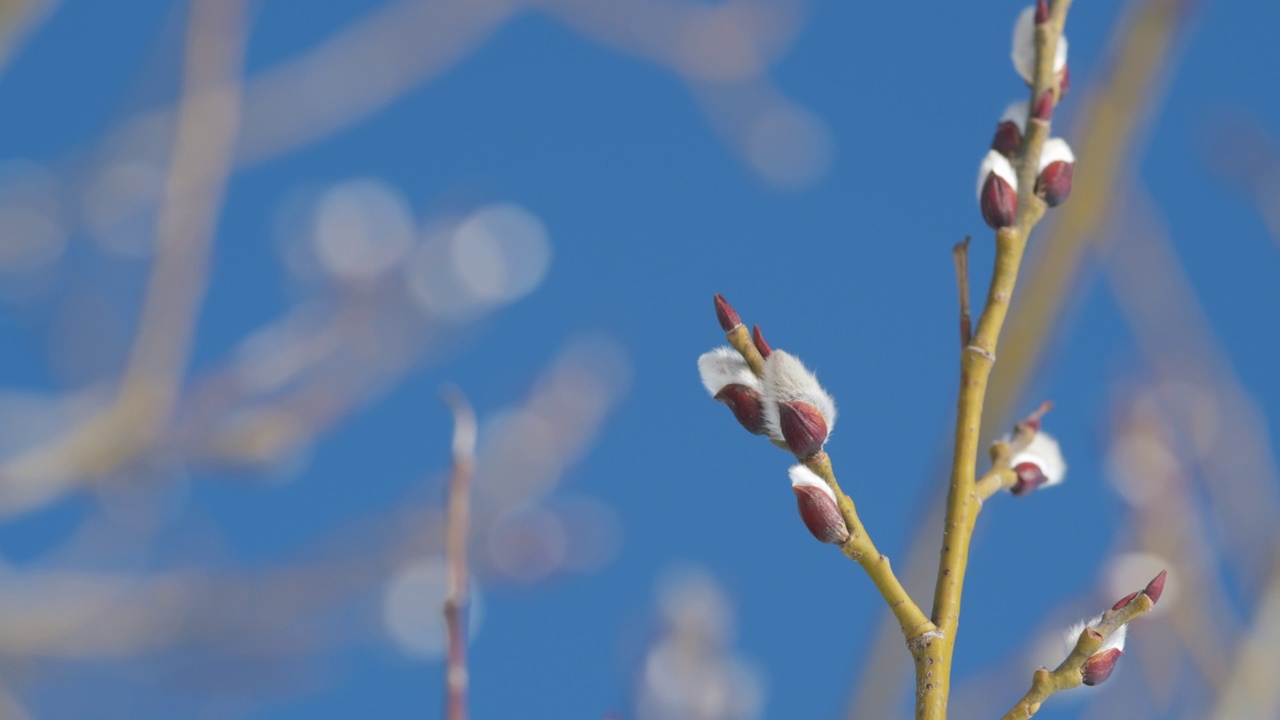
x: 648, y: 211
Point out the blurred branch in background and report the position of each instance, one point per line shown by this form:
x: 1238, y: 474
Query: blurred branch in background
x: 18, y: 19
x: 208, y: 117
x: 1104, y: 135
x: 319, y: 599
x: 1240, y: 151
x: 457, y: 532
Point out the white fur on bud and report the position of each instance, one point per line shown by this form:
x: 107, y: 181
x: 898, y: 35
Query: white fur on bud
x: 1114, y: 642
x: 994, y: 162
x: 786, y: 379
x: 725, y: 366
x: 997, y: 190
x: 1024, y: 46
x: 818, y: 507
x: 1044, y: 453
x: 1098, y: 667
x: 802, y: 476
x: 1055, y: 150
x: 1017, y: 112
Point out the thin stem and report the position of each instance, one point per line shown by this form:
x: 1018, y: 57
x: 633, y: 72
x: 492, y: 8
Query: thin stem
x: 933, y: 664
x: 457, y: 520
x: 862, y: 550
x: 960, y: 253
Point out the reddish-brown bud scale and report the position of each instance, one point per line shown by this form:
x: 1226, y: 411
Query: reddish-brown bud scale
x: 803, y: 427
x: 1098, y: 667
x: 1008, y: 139
x: 1155, y: 588
x: 1064, y: 81
x: 999, y: 202
x: 1054, y: 183
x: 820, y: 514
x: 757, y: 338
x: 1042, y: 12
x: 746, y: 406
x: 1124, y: 600
x: 1030, y: 477
x: 725, y: 313
x: 1043, y: 109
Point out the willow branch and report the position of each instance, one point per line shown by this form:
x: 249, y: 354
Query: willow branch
x: 457, y: 520
x: 933, y: 664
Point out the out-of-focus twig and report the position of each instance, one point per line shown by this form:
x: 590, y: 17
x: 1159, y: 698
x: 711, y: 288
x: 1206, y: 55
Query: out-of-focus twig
x: 208, y: 117
x: 457, y: 522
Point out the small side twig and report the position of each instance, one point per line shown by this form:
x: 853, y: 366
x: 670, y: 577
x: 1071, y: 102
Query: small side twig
x: 1070, y: 674
x: 960, y: 253
x: 457, y: 520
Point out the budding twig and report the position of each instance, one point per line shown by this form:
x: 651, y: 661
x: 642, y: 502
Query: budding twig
x: 1071, y: 673
x: 457, y: 520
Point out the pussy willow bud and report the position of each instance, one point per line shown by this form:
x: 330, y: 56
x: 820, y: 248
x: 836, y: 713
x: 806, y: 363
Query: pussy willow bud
x: 757, y: 339
x: 797, y: 410
x: 726, y: 315
x: 997, y: 190
x: 1010, y: 129
x: 817, y: 503
x: 1099, y: 666
x: 1039, y: 464
x: 1057, y: 167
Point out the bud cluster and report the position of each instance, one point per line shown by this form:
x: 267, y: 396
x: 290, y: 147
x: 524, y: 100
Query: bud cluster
x: 997, y: 174
x: 785, y: 402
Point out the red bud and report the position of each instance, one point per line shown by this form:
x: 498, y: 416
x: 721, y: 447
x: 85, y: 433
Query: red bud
x: 999, y: 202
x: 1043, y: 109
x: 1030, y: 477
x: 745, y: 404
x: 1155, y: 588
x: 758, y: 339
x: 1008, y: 139
x: 1042, y: 12
x: 725, y: 313
x: 1124, y: 600
x: 820, y: 514
x: 1098, y: 667
x: 803, y: 427
x: 1054, y: 183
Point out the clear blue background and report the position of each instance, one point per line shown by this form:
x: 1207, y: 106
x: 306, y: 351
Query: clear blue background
x: 649, y: 213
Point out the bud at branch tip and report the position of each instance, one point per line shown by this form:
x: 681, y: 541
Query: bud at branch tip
x: 725, y: 313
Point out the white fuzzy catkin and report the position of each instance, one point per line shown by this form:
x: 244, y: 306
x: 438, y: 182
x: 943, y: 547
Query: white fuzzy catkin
x: 802, y: 476
x: 1114, y: 641
x: 1055, y: 149
x: 1044, y: 453
x: 786, y: 379
x: 1017, y: 111
x: 996, y: 163
x: 1024, y: 46
x: 725, y: 366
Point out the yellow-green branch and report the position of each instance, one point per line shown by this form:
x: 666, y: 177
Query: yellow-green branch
x: 933, y: 662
